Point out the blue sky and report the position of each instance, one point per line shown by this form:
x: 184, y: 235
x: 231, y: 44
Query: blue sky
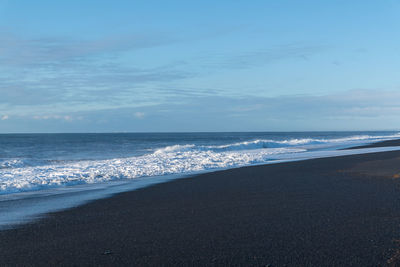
x: 115, y: 66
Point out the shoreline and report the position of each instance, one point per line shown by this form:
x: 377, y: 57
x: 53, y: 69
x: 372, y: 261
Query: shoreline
x: 331, y: 211
x: 31, y: 206
x: 386, y: 143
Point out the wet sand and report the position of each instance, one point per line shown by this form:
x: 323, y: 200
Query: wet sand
x: 342, y: 211
x: 395, y: 142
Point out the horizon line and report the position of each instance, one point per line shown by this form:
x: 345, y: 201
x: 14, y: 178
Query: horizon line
x: 166, y: 132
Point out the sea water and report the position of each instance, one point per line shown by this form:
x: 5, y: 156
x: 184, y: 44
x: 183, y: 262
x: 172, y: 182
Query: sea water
x: 45, y: 172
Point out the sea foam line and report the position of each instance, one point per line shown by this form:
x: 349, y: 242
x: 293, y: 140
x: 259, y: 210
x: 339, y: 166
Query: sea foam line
x: 20, y: 176
x: 161, y: 162
x: 24, y: 207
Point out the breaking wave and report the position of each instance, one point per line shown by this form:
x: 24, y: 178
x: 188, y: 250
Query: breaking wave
x: 294, y: 142
x: 165, y: 161
x: 18, y: 175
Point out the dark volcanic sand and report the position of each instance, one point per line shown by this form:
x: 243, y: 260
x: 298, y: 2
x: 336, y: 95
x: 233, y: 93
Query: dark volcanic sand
x: 323, y: 212
x: 380, y: 144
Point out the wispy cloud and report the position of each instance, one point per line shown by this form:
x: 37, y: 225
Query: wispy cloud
x: 4, y: 117
x: 350, y: 110
x: 269, y: 55
x: 15, y: 50
x: 262, y: 56
x: 65, y: 74
x: 56, y: 117
x: 139, y: 115
x: 40, y: 72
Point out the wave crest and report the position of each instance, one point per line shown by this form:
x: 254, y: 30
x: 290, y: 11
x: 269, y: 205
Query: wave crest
x: 17, y: 175
x: 161, y: 162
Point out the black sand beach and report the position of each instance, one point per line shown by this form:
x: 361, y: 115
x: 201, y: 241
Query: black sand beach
x: 342, y: 211
x: 379, y: 144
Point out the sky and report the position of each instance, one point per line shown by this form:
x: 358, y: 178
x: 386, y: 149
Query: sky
x: 173, y: 66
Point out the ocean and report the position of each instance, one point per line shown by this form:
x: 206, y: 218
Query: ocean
x: 46, y: 172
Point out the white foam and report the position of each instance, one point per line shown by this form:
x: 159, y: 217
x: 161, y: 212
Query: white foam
x: 24, y: 207
x: 11, y: 163
x: 18, y: 175
x: 19, y: 163
x: 268, y: 143
x: 172, y: 160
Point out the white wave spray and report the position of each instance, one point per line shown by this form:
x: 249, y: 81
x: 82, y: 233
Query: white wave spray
x: 18, y: 175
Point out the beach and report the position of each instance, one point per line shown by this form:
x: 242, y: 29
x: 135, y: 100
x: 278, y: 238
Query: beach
x: 339, y: 211
x: 199, y: 133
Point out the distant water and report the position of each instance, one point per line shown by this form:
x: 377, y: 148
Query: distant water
x: 32, y: 162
